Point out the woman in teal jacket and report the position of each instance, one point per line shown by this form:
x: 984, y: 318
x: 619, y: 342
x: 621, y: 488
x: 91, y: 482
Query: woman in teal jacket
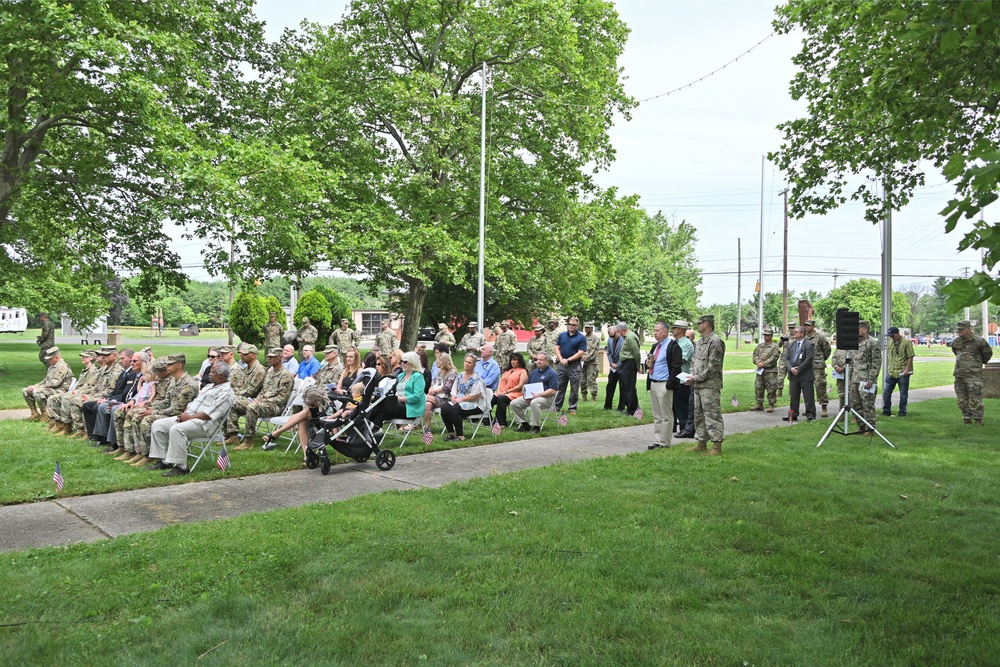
x: 410, y: 395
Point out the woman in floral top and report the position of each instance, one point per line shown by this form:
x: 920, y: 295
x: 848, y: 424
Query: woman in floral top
x: 439, y: 394
x: 468, y: 397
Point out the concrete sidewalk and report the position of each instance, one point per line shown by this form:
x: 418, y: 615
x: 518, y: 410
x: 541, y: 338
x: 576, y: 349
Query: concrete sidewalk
x: 91, y: 518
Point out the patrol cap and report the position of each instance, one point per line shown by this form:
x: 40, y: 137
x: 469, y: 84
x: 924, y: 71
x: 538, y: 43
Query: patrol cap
x: 146, y: 350
x: 274, y: 352
x: 385, y: 322
x: 588, y: 325
x: 442, y: 326
x: 553, y: 319
x: 539, y: 327
x: 53, y: 351
x: 505, y: 324
x: 680, y: 324
x: 107, y: 350
x: 159, y: 365
x: 810, y: 323
x: 473, y: 325
x: 272, y: 313
x: 85, y: 353
x: 344, y: 320
x: 251, y: 349
x: 330, y: 349
x: 226, y: 349
x: 768, y: 331
x: 707, y: 318
x: 176, y: 359
x: 964, y: 324
x: 893, y: 330
x: 866, y: 324
x: 42, y: 315
x: 305, y: 320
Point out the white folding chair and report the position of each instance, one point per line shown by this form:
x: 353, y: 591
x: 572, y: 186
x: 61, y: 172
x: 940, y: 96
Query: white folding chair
x: 294, y: 399
x: 548, y: 413
x: 72, y: 385
x: 398, y: 425
x: 486, y: 415
x: 200, y: 447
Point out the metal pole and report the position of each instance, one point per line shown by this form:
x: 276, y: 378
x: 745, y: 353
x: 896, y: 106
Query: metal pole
x: 760, y: 271
x: 886, y: 280
x: 739, y: 298
x: 784, y: 272
x: 482, y: 208
x: 232, y: 256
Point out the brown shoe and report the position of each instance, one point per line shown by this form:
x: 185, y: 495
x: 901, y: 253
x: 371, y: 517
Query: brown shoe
x: 141, y: 462
x: 979, y: 422
x: 67, y: 428
x: 81, y: 434
x: 116, y: 452
x: 716, y: 450
x: 700, y: 447
x: 825, y: 413
x: 232, y: 441
x: 124, y: 455
x: 757, y: 408
x: 34, y: 416
x: 55, y: 426
x: 770, y: 409
x: 242, y: 448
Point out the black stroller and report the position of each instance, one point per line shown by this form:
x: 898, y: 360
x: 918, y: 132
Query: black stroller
x: 353, y: 436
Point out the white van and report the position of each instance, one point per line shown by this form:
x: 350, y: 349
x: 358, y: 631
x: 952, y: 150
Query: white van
x: 13, y: 320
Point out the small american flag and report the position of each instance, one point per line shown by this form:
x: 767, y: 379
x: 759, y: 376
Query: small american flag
x: 57, y: 477
x: 428, y: 438
x: 223, y: 460
x: 638, y: 413
x: 563, y: 419
x: 497, y: 429
x: 735, y: 402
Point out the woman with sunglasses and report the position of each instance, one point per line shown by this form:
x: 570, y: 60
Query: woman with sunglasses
x: 409, y: 400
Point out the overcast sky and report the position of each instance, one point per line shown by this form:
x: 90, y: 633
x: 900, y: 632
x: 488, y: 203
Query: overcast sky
x: 696, y: 154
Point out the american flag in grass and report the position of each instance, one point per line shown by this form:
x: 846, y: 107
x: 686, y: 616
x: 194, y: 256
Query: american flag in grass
x: 57, y: 477
x: 735, y: 402
x: 428, y: 438
x: 497, y: 429
x: 223, y: 460
x: 563, y: 419
x: 638, y: 414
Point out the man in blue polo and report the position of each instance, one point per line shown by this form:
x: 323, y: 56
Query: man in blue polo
x: 487, y: 367
x: 571, y: 346
x: 309, y: 365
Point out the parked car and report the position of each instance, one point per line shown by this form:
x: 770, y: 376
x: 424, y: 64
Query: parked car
x: 921, y: 340
x: 190, y: 330
x: 426, y: 333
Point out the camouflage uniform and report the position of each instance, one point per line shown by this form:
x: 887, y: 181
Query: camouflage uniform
x: 57, y: 379
x: 590, y: 366
x: 443, y: 336
x: 386, y: 342
x: 306, y: 334
x: 706, y: 367
x: 344, y: 339
x: 273, y: 333
x: 819, y: 367
x: 471, y: 342
x: 551, y: 340
x: 107, y: 377
x: 61, y: 403
x: 330, y: 374
x: 866, y: 362
x: 768, y: 380
x: 536, y: 346
x: 246, y: 384
x: 782, y: 367
x: 970, y: 355
x: 270, y: 402
x: 46, y: 339
x: 130, y: 435
x: 175, y: 400
x: 839, y: 360
x: 506, y: 345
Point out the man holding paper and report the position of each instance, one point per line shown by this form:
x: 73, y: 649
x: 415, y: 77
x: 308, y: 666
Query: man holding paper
x: 866, y: 362
x: 539, y: 392
x: 799, y: 355
x: 765, y: 357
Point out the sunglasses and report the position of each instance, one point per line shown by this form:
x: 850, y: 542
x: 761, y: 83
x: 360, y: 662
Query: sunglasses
x: 213, y: 356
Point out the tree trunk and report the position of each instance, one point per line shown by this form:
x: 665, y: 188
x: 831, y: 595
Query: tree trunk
x: 414, y: 310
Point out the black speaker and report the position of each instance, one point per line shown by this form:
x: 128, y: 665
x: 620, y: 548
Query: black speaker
x: 847, y: 329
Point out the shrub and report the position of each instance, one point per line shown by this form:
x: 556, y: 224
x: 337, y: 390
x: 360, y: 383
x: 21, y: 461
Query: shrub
x: 247, y: 317
x: 339, y: 309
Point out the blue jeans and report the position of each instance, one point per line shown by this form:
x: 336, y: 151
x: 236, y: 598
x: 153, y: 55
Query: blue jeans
x: 903, y: 383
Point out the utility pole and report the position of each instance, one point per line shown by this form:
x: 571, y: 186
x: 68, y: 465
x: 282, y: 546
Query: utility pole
x: 965, y: 274
x: 739, y: 288
x: 784, y: 272
x: 836, y: 273
x: 760, y: 269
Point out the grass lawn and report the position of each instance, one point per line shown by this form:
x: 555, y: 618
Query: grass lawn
x: 777, y: 553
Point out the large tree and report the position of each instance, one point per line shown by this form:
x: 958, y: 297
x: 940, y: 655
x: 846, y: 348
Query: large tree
x: 391, y: 96
x: 863, y: 295
x: 892, y: 86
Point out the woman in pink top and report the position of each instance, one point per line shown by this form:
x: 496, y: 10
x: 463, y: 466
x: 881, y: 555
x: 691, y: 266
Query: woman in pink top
x: 510, y: 387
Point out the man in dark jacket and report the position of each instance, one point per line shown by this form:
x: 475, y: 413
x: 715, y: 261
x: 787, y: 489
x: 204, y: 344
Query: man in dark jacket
x: 799, y: 354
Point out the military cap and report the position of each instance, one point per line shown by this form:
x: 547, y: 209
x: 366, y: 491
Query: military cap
x: 707, y: 318
x: 810, y: 323
x: 251, y: 349
x: 505, y: 324
x: 539, y: 327
x: 330, y: 349
x: 272, y: 313
x: 588, y: 325
x: 176, y: 359
x: 768, y: 331
x: 226, y: 349
x: 85, y: 353
x: 344, y: 319
x: 146, y: 350
x: 892, y: 331
x: 274, y: 352
x: 865, y: 323
x: 553, y: 319
x: 442, y: 326
x: 107, y: 350
x: 305, y: 320
x: 473, y: 325
x: 51, y: 352
x: 42, y: 315
x: 680, y: 324
x: 964, y: 324
x: 159, y: 365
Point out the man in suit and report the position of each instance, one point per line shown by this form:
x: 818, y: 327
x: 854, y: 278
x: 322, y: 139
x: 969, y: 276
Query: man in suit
x: 664, y: 365
x: 799, y: 354
x: 613, y: 348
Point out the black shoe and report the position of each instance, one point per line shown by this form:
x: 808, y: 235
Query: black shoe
x: 685, y: 434
x: 523, y: 427
x: 654, y: 446
x: 159, y: 465
x: 810, y: 419
x: 175, y: 471
x: 536, y: 429
x: 794, y: 419
x: 451, y: 437
x: 621, y: 410
x: 886, y: 414
x: 607, y: 407
x: 901, y: 414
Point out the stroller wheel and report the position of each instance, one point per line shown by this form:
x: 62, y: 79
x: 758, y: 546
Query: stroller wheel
x: 312, y: 460
x: 325, y: 468
x: 385, y: 460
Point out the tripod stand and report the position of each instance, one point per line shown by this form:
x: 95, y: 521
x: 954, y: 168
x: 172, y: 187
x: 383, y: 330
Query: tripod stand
x: 846, y: 411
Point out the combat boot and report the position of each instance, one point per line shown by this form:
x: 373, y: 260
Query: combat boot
x: 54, y: 425
x: 67, y: 428
x: 716, y: 449
x: 967, y: 422
x: 979, y: 422
x: 700, y: 447
x: 825, y: 413
x: 232, y: 441
x: 34, y: 416
x: 770, y: 408
x: 757, y: 408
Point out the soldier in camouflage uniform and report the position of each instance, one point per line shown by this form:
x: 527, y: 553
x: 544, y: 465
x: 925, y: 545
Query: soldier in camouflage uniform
x: 505, y: 345
x: 58, y: 377
x: 472, y: 341
x: 552, y: 337
x: 273, y: 332
x: 47, y: 338
x: 71, y: 405
x: 971, y: 352
x: 765, y: 357
x: 386, y: 341
x: 866, y: 362
x: 131, y: 435
x: 182, y: 389
x: 838, y: 362
x: 445, y: 336
x: 246, y: 384
x: 819, y: 363
x: 330, y: 373
x: 103, y: 388
x: 62, y: 422
x: 536, y: 346
x: 344, y: 338
x: 271, y: 400
x: 306, y: 335
x: 706, y: 378
x: 590, y: 366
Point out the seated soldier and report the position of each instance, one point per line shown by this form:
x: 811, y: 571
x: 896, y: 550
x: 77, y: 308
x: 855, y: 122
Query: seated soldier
x: 270, y: 402
x: 58, y: 377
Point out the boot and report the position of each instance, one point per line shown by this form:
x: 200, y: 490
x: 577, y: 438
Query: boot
x: 779, y: 392
x: 34, y: 416
x: 700, y: 447
x: 67, y: 428
x: 716, y: 449
x: 81, y: 434
x: 757, y: 408
x: 232, y: 441
x: 124, y: 455
x: 770, y: 408
x: 967, y: 422
x: 979, y: 422
x: 825, y: 413
x: 54, y: 425
x: 143, y: 460
x: 117, y: 453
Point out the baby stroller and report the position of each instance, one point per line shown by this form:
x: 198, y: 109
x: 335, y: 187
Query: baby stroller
x: 354, y: 435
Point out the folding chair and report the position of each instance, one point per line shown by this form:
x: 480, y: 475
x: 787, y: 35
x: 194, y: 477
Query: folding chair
x: 294, y: 399
x: 550, y: 411
x: 72, y: 385
x: 487, y: 415
x: 199, y: 447
x: 398, y: 425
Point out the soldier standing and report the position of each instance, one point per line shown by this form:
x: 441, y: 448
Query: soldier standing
x: 344, y: 338
x: 765, y: 357
x: 866, y: 362
x: 472, y: 341
x: 273, y: 331
x: 506, y: 344
x: 386, y: 340
x: 271, y: 401
x: 590, y: 366
x: 971, y: 352
x: 552, y: 337
x: 819, y: 363
x: 306, y: 335
x: 706, y: 378
x: 839, y: 362
x: 536, y: 346
x: 58, y: 377
x: 47, y: 338
x: 445, y: 336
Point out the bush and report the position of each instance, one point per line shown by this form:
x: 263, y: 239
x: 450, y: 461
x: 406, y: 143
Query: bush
x: 314, y: 305
x: 247, y: 317
x: 339, y: 309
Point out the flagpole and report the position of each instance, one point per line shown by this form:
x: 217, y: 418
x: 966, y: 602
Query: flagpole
x: 482, y: 208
